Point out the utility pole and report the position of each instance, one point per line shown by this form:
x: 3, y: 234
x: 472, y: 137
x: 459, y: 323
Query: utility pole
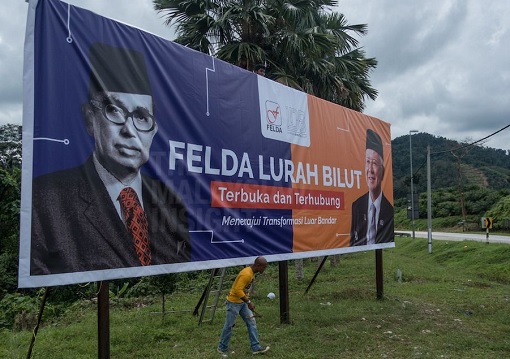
x: 429, y: 201
x: 412, y: 179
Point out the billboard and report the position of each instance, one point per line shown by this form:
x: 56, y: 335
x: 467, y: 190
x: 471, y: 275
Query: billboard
x: 143, y: 157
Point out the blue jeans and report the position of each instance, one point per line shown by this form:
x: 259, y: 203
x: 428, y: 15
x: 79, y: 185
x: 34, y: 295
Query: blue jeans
x: 234, y: 309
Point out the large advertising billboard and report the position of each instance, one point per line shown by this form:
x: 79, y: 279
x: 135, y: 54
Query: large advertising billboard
x: 144, y: 157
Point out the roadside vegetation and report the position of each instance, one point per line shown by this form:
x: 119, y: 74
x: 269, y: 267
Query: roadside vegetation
x: 453, y: 303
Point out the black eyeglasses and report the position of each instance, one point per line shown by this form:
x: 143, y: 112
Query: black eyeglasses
x: 142, y: 119
x: 374, y: 163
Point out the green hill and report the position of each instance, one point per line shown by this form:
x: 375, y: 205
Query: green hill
x: 477, y: 176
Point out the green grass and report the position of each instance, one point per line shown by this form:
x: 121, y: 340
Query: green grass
x: 453, y: 303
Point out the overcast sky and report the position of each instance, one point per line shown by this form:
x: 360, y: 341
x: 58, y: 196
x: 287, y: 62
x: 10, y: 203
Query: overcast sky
x: 444, y: 65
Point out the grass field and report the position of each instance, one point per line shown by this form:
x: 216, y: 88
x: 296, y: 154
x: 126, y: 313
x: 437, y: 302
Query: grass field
x: 453, y: 303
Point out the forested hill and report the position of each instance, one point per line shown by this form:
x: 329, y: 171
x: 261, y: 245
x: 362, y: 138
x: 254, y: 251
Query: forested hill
x: 450, y: 164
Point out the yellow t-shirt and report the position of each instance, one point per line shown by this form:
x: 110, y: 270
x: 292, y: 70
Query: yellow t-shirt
x: 241, y: 285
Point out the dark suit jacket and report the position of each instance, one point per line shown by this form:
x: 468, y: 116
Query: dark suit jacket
x: 359, y: 226
x: 75, y: 226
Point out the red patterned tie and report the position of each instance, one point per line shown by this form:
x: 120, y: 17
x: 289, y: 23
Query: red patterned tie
x: 136, y: 222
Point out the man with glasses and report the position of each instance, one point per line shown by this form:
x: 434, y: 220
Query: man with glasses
x: 105, y: 213
x: 372, y: 213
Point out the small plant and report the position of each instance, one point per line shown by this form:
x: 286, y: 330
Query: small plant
x: 18, y: 311
x: 119, y: 292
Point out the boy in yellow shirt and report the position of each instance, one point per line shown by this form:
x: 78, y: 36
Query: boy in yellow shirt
x: 239, y: 303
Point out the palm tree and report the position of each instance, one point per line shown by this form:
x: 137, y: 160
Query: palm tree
x: 305, y: 44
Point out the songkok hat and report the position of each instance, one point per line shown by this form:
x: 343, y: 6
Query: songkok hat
x: 116, y: 69
x: 374, y: 142
x: 259, y: 66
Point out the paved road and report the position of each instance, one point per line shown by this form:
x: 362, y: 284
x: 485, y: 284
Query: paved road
x: 461, y: 236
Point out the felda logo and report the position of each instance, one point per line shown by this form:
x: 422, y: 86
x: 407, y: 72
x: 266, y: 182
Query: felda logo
x: 273, y: 117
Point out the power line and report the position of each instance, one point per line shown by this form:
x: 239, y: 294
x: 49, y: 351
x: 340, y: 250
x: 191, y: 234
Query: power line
x: 471, y: 144
x: 461, y: 147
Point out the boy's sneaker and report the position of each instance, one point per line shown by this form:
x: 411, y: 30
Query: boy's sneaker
x: 224, y: 353
x: 260, y: 350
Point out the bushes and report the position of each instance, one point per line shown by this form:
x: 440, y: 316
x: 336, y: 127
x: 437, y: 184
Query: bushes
x: 18, y: 311
x: 10, y: 184
x: 478, y: 202
x: 500, y: 213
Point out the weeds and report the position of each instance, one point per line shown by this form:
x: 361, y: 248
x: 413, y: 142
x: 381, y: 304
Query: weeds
x: 453, y: 303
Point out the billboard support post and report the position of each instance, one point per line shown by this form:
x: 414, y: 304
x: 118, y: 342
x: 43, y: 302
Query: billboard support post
x: 103, y: 320
x: 379, y: 273
x: 283, y: 272
x: 39, y: 318
x: 316, y: 274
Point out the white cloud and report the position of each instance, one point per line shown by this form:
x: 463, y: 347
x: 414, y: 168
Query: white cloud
x: 138, y: 13
x: 443, y: 64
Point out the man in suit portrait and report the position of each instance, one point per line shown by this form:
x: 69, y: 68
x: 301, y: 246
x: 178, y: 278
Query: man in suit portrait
x: 372, y: 213
x: 105, y: 213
